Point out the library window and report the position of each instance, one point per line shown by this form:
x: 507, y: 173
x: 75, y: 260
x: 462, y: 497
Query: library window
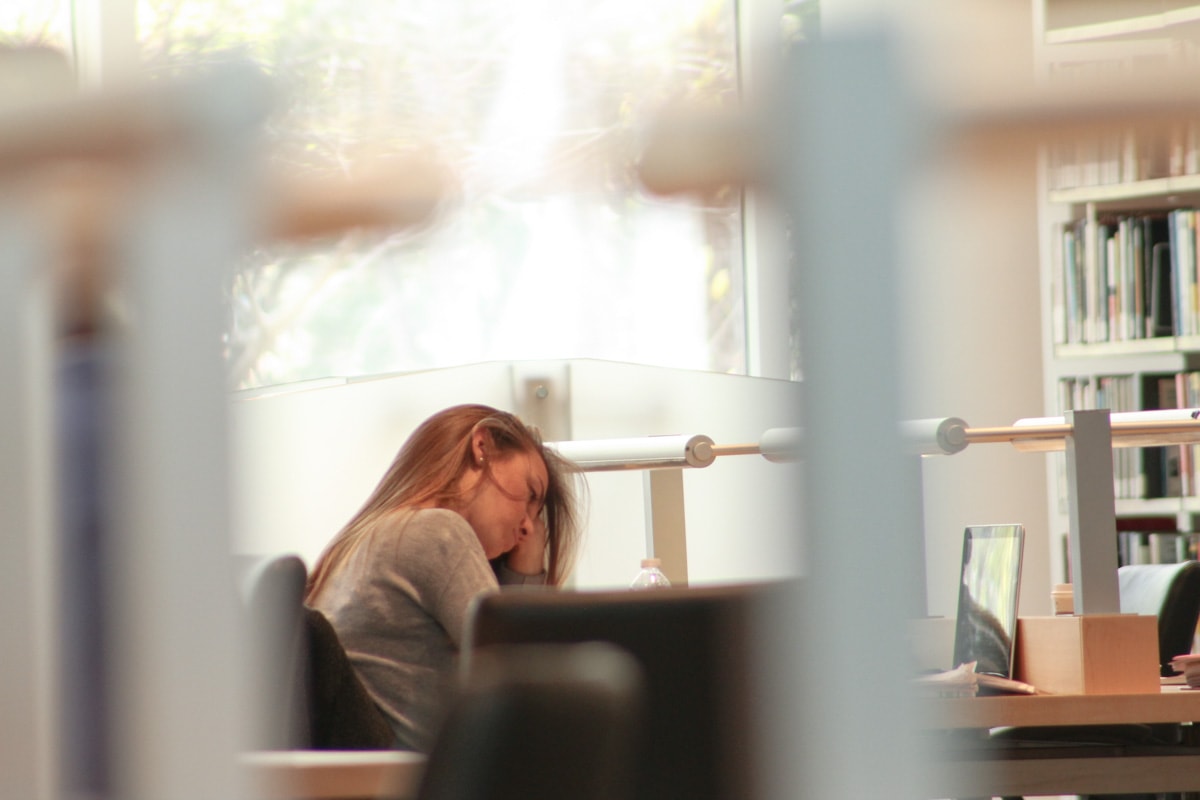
x: 549, y: 248
x: 44, y: 23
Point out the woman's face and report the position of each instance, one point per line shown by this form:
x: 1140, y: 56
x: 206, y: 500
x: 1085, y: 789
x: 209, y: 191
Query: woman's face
x: 503, y: 508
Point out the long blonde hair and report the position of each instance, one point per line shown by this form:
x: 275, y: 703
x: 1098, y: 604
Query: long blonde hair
x: 426, y: 472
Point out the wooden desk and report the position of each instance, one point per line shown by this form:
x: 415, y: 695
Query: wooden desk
x: 330, y: 774
x: 967, y: 764
x: 971, y: 771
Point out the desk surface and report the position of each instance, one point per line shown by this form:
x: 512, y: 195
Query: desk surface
x: 1173, y: 703
x: 987, y: 772
x: 330, y: 774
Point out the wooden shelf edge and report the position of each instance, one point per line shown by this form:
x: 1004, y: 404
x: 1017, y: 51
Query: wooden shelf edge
x: 983, y: 776
x: 1133, y: 347
x: 1151, y: 507
x: 332, y: 775
x: 1132, y: 190
x: 1127, y: 27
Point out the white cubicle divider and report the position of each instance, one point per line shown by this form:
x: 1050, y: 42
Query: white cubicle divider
x: 307, y: 459
x: 306, y: 456
x: 742, y: 514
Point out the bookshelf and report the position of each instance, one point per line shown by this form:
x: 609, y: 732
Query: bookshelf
x: 1118, y: 248
x: 1087, y: 21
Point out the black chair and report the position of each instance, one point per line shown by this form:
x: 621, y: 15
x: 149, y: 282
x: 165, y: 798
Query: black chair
x: 539, y: 721
x: 275, y: 646
x: 695, y: 650
x: 524, y: 722
x: 1170, y: 591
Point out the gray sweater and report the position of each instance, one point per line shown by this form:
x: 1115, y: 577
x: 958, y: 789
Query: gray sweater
x: 399, y: 605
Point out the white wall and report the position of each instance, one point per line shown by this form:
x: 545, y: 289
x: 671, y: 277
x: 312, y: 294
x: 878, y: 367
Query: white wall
x: 741, y: 512
x: 972, y: 338
x: 306, y: 460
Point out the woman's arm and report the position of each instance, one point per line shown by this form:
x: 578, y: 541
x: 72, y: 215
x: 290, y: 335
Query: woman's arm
x: 526, y: 563
x: 439, y: 563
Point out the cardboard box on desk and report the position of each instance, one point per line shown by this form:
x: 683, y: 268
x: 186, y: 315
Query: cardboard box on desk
x: 1089, y: 654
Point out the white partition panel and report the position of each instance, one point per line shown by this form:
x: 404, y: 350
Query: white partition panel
x: 741, y: 512
x: 305, y: 460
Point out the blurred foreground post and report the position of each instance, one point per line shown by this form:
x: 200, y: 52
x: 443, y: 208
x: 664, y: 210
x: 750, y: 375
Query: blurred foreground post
x: 174, y: 654
x: 844, y: 137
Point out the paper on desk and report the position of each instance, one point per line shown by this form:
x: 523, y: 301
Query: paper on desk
x: 964, y: 681
x: 1189, y: 665
x: 958, y: 682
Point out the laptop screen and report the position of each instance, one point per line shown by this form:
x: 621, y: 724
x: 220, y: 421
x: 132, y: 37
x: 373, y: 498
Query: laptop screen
x: 985, y: 631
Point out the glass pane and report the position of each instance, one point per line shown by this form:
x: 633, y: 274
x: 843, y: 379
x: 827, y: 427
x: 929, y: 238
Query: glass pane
x: 549, y: 248
x: 801, y: 24
x: 36, y: 22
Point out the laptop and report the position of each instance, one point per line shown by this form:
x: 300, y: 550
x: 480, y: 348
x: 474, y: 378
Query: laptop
x: 990, y: 580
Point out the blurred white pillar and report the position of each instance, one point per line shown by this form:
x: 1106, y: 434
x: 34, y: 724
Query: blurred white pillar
x: 175, y: 661
x: 844, y: 142
x: 29, y: 688
x: 106, y: 50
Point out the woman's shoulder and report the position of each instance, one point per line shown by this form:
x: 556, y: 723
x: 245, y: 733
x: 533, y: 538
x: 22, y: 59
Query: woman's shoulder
x: 433, y: 536
x: 436, y: 518
x: 431, y: 523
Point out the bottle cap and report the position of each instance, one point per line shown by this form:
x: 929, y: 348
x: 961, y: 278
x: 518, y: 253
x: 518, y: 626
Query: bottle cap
x: 651, y: 562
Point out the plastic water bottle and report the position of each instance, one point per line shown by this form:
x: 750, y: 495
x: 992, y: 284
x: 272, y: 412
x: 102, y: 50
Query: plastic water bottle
x: 651, y: 577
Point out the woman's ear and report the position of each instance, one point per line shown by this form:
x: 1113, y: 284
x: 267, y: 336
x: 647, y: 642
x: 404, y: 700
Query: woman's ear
x: 481, y: 446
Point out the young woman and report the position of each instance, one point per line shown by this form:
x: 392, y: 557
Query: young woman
x: 472, y: 500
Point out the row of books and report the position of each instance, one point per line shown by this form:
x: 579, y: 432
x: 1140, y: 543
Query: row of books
x: 1109, y: 159
x: 1136, y: 154
x: 1165, y: 547
x: 1146, y: 472
x: 1114, y: 280
x: 1145, y: 547
x: 1114, y: 158
x: 1171, y: 470
x: 1116, y: 393
x: 1134, y: 276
